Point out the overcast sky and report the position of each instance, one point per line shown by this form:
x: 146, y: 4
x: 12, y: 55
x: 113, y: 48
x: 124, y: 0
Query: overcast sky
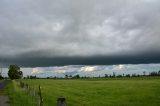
x: 79, y: 32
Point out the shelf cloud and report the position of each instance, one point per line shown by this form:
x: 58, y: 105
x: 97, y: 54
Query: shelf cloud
x: 93, y: 32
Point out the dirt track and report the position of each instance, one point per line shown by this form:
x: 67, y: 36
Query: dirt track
x: 3, y: 98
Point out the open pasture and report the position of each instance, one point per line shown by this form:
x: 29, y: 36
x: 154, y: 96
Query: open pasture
x: 96, y: 92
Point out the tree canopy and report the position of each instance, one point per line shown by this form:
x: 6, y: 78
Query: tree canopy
x: 14, y: 72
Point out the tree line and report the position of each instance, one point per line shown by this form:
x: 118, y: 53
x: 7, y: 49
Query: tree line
x: 15, y: 73
x: 77, y: 76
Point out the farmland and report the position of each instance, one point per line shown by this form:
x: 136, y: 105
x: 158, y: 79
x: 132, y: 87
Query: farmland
x: 91, y: 92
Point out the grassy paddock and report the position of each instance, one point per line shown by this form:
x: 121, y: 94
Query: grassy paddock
x: 94, y: 92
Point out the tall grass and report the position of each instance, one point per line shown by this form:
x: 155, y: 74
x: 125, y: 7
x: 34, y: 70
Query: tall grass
x: 19, y: 96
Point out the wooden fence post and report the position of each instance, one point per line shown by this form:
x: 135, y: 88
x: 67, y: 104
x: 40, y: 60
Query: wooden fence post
x: 61, y: 102
x: 33, y: 95
x: 40, y: 97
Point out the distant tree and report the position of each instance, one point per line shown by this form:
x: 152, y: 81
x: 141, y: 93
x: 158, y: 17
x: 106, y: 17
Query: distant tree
x: 114, y: 74
x: 153, y: 73
x: 14, y: 72
x: 144, y: 73
x: 54, y: 77
x: 84, y: 77
x: 76, y: 76
x: 27, y: 76
x: 66, y: 76
x: 128, y: 75
x: 32, y: 77
x: 106, y: 75
x: 70, y: 76
x: 159, y: 72
x: 138, y: 75
x: 134, y: 75
x: 119, y: 76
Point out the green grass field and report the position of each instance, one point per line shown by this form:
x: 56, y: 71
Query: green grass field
x: 91, y: 92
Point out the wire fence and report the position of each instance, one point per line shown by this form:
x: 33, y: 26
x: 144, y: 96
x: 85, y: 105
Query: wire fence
x: 36, y: 96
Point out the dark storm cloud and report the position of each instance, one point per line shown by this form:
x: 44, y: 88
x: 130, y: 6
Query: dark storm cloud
x: 60, y: 32
x: 89, y: 60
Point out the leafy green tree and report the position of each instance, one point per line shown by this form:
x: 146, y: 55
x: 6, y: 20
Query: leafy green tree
x: 14, y: 72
